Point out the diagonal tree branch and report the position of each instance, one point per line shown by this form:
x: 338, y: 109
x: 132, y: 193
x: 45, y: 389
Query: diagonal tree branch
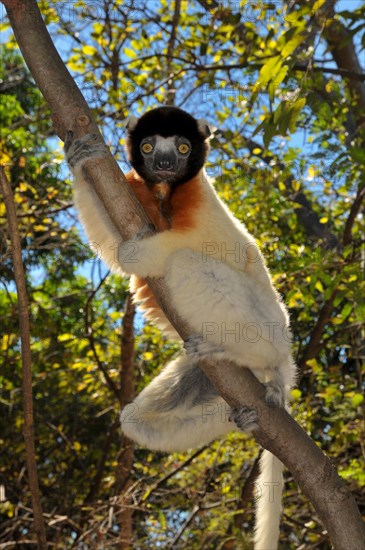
x: 341, y: 44
x: 354, y: 210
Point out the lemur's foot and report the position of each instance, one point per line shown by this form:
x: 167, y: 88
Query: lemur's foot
x: 197, y: 348
x: 245, y: 418
x: 147, y: 231
x: 87, y: 147
x: 68, y: 140
x: 275, y: 394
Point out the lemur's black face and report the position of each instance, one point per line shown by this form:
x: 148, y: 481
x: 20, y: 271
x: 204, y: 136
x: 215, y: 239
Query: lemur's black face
x: 167, y: 145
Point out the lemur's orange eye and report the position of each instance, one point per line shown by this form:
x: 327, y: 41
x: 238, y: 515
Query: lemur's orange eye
x: 184, y: 148
x: 147, y: 148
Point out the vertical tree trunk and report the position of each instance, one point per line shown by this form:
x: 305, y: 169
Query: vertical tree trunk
x: 126, y: 449
x: 23, y: 309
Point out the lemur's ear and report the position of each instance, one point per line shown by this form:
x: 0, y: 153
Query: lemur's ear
x: 131, y: 123
x: 205, y: 129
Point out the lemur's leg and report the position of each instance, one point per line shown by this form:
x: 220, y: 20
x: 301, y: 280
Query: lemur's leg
x: 233, y: 316
x: 179, y: 410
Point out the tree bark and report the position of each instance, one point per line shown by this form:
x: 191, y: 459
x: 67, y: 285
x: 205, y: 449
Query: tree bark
x: 23, y: 309
x: 341, y: 44
x: 126, y: 448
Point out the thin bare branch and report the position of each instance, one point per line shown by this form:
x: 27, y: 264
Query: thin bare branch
x: 171, y: 474
x: 354, y: 210
x: 23, y: 309
x: 246, y: 493
x: 184, y: 526
x: 170, y: 97
x: 90, y: 335
x: 314, y: 343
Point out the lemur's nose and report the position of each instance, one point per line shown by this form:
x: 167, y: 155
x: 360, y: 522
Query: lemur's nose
x: 164, y: 164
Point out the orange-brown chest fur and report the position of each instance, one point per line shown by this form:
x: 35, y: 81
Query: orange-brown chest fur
x: 183, y: 203
x: 183, y: 209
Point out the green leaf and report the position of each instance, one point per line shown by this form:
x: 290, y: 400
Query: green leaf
x: 357, y: 399
x: 269, y: 70
x: 317, y: 5
x: 296, y: 394
x: 346, y: 310
x: 280, y: 76
x: 295, y: 111
x: 292, y: 45
x: 279, y: 111
x: 284, y: 118
x: 269, y: 133
x: 318, y: 286
x: 130, y: 53
x: 88, y: 50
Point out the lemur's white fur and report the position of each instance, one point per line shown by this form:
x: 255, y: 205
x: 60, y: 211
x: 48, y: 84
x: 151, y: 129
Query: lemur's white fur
x: 219, y: 283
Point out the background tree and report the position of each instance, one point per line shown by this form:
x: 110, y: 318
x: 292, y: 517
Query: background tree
x: 284, y: 85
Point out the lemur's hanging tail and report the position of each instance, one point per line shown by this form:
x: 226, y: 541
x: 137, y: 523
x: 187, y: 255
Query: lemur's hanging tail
x: 268, y: 504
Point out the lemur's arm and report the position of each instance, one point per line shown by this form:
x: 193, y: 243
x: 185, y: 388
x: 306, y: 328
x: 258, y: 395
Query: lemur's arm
x: 143, y: 257
x: 102, y: 234
x: 147, y: 257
